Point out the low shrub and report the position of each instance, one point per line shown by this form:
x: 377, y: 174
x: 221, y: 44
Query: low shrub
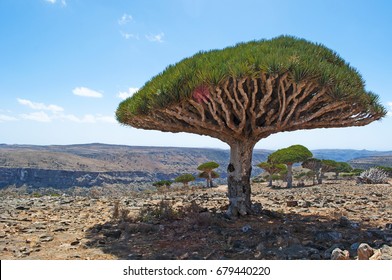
x: 373, y: 176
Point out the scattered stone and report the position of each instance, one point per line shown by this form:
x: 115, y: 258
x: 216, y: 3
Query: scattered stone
x: 60, y: 229
x: 115, y: 233
x: 338, y: 254
x: 134, y: 257
x: 386, y: 252
x: 278, y: 232
x: 22, y: 207
x: 315, y: 257
x: 257, y: 208
x: 328, y: 236
x: 304, y: 203
x: 364, y: 251
x: 74, y: 243
x: 260, y: 247
x: 66, y: 201
x: 246, y: 228
x: 298, y: 251
x: 345, y: 222
x: 292, y: 203
x: 376, y: 255
x: 46, y: 238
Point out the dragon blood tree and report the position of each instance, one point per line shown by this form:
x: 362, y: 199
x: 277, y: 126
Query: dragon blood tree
x: 245, y: 93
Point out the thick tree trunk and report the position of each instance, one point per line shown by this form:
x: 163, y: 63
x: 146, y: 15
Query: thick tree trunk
x: 239, y: 171
x: 289, y: 175
x: 270, y: 181
x: 209, y: 180
x: 319, y: 176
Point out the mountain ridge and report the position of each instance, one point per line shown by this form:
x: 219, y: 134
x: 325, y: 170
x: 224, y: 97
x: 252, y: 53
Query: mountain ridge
x: 37, y: 165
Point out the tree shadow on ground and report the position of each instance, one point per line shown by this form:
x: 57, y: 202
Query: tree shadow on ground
x: 209, y: 235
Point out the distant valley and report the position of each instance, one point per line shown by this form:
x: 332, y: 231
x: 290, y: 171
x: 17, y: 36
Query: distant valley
x: 90, y: 165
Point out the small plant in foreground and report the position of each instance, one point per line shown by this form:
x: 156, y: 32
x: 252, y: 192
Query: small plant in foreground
x: 163, y: 211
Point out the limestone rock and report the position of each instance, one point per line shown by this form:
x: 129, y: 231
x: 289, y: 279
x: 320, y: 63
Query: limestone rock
x: 365, y: 251
x: 338, y: 254
x: 292, y: 203
x: 386, y: 252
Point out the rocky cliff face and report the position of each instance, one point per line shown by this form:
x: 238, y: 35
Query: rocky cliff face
x: 98, y: 165
x: 91, y: 165
x: 61, y: 179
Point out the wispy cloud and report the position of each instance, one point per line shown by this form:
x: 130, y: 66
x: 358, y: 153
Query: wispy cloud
x: 389, y: 109
x: 62, y: 2
x: 124, y: 19
x: 48, y: 113
x: 156, y: 38
x: 88, y: 118
x: 6, y: 118
x: 125, y: 94
x: 86, y: 92
x: 40, y: 106
x: 40, y: 116
x: 129, y: 35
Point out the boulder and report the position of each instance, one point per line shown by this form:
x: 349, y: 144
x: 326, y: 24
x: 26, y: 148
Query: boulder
x: 338, y: 254
x: 364, y: 251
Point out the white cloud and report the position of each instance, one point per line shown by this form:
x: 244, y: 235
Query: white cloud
x: 106, y: 119
x: 86, y: 92
x: 40, y: 106
x: 5, y: 118
x: 56, y: 113
x: 62, y: 2
x: 124, y: 19
x: 128, y: 36
x: 156, y: 38
x: 37, y: 116
x: 88, y: 118
x: 125, y: 94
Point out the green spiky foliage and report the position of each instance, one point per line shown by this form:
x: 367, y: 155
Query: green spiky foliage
x: 341, y: 167
x: 207, y: 166
x: 207, y: 169
x: 272, y: 169
x: 329, y: 165
x: 247, y: 92
x: 185, y: 179
x: 289, y: 156
x: 301, y: 59
x: 162, y: 183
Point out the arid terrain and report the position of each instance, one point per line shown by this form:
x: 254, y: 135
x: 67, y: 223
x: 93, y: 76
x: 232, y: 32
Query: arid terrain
x: 100, y: 165
x: 299, y: 223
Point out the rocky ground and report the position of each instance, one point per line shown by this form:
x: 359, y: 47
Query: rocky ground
x: 298, y: 223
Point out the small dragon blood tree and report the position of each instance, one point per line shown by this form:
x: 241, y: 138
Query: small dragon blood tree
x: 244, y: 93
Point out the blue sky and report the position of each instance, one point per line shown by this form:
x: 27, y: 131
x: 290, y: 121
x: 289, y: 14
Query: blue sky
x: 65, y: 65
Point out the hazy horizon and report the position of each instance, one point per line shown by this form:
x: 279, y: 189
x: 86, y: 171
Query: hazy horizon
x: 184, y: 147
